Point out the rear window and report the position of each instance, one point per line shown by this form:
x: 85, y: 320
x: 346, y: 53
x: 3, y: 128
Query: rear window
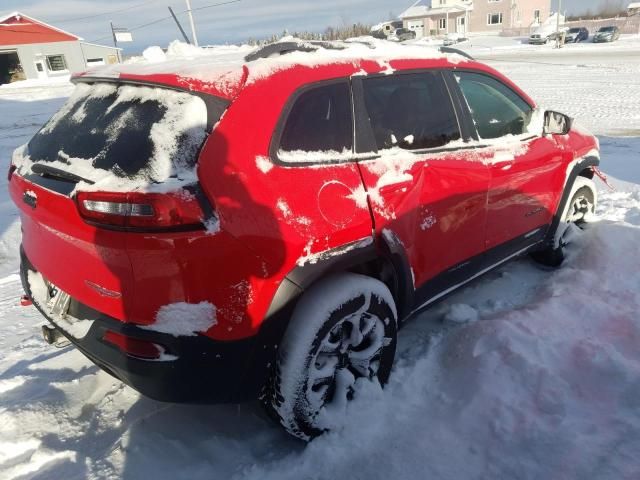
x: 129, y: 131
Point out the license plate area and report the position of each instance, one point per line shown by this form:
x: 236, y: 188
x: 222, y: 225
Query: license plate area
x: 58, y: 301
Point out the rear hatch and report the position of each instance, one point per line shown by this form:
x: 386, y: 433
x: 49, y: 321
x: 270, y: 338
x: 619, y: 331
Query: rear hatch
x: 116, y: 158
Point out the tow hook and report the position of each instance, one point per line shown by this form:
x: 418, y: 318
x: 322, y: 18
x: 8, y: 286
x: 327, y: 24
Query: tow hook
x: 51, y: 335
x: 25, y: 301
x: 603, y: 177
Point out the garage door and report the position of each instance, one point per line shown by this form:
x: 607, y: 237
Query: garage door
x: 10, y: 68
x: 417, y: 26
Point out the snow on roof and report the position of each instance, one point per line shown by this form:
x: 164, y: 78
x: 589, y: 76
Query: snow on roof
x: 224, y: 70
x: 418, y: 10
x: 415, y: 11
x: 633, y: 5
x: 8, y: 16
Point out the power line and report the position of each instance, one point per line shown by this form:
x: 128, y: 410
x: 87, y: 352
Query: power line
x: 211, y: 6
x: 169, y: 18
x: 104, y: 13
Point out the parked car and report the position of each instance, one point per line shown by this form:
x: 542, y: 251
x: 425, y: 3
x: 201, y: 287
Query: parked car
x: 404, y: 34
x: 453, y: 38
x: 262, y: 229
x: 384, y: 30
x: 576, y: 34
x: 541, y: 38
x: 607, y: 34
x: 546, y: 35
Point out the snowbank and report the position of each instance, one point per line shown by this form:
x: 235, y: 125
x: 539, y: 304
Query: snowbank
x: 550, y: 390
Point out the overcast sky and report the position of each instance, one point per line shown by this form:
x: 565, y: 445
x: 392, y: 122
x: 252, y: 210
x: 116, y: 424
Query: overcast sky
x: 227, y: 23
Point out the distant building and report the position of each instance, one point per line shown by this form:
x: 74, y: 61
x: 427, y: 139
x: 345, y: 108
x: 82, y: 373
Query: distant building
x: 439, y: 17
x: 633, y: 9
x: 30, y: 49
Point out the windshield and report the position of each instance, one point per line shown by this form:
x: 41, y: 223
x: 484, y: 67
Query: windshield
x: 574, y: 30
x: 607, y: 29
x: 129, y: 131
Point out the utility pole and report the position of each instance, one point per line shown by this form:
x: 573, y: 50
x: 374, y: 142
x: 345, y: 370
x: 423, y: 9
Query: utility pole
x: 115, y: 42
x: 193, y: 25
x: 184, y: 35
x: 558, y: 38
x: 113, y: 34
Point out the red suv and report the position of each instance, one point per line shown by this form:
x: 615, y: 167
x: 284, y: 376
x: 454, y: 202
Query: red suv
x: 219, y: 232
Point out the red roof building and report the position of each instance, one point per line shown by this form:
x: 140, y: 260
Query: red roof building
x: 31, y: 49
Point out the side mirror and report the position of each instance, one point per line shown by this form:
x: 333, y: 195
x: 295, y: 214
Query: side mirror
x: 556, y: 123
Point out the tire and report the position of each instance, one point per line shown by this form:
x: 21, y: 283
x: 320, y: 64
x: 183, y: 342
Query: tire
x: 578, y: 212
x: 342, y: 330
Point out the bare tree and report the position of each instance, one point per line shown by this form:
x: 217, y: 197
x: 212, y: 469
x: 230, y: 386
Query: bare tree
x: 606, y: 9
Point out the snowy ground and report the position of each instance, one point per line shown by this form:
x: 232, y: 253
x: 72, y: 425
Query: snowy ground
x: 527, y: 373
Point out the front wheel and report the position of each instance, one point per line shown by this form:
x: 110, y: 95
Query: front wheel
x: 342, y: 331
x: 579, y: 210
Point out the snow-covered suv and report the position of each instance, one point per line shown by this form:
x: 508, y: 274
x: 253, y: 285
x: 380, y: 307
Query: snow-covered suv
x: 219, y: 229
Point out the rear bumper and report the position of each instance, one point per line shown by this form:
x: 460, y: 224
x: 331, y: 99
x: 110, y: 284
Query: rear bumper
x: 199, y: 369
x: 204, y: 371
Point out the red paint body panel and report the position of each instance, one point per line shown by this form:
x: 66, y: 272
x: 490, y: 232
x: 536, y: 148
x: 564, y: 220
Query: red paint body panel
x: 525, y: 191
x: 25, y: 30
x: 275, y: 218
x: 195, y: 267
x: 438, y: 214
x: 70, y: 253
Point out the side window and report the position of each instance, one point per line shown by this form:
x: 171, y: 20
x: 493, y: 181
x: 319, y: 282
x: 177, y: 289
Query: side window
x: 496, y: 109
x: 320, y: 122
x: 411, y: 111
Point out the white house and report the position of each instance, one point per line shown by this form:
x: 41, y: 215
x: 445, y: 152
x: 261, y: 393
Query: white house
x: 439, y: 17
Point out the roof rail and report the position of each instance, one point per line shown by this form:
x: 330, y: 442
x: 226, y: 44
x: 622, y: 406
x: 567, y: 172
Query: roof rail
x: 282, y: 48
x: 456, y: 51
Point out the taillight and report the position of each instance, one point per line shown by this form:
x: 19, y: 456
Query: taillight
x: 136, y: 210
x: 134, y: 347
x: 12, y: 168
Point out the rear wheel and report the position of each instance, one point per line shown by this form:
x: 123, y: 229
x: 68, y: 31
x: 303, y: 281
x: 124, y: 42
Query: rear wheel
x: 577, y: 213
x: 343, y: 331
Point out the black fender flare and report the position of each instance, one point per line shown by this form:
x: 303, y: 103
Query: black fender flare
x: 386, y: 247
x: 582, y: 164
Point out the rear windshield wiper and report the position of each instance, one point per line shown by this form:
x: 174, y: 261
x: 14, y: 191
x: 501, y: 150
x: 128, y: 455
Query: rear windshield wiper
x: 46, y: 170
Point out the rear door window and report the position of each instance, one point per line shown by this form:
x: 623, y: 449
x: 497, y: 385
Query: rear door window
x: 319, y: 126
x: 496, y: 109
x: 128, y: 131
x: 410, y: 111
